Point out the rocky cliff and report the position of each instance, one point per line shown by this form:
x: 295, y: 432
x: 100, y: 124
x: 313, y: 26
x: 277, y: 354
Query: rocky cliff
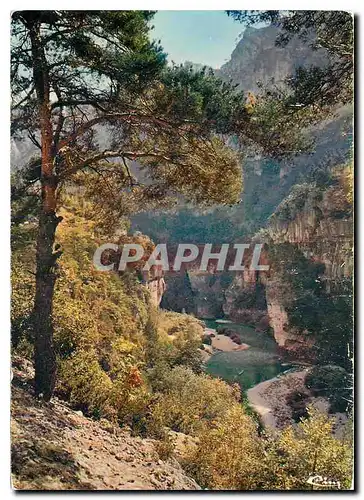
x: 156, y: 285
x: 257, y: 59
x: 323, y: 231
x: 56, y: 448
x: 318, y: 224
x: 315, y: 216
x: 310, y: 211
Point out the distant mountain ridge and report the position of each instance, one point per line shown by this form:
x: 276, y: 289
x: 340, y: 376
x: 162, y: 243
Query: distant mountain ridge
x: 257, y: 58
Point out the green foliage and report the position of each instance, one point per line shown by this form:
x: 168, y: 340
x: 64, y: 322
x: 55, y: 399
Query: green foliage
x: 173, y: 339
x: 102, y: 361
x: 174, y: 121
x: 22, y: 282
x: 106, y: 331
x: 325, y: 316
x: 207, y: 339
x: 302, y: 273
x: 301, y: 195
x: 118, y: 357
x: 99, y: 322
x: 332, y: 31
x: 92, y: 307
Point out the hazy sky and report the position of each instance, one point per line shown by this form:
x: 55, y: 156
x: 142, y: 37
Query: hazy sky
x: 206, y: 37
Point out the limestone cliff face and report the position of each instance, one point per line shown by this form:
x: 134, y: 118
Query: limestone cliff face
x: 320, y: 224
x: 156, y: 287
x: 208, y: 294
x: 257, y: 58
x: 155, y: 283
x: 287, y: 337
x: 323, y: 231
x: 195, y: 292
x: 245, y: 300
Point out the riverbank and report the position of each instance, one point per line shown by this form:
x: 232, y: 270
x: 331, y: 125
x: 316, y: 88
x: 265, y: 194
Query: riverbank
x: 269, y: 400
x: 221, y: 343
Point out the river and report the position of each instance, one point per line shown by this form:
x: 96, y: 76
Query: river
x: 249, y: 367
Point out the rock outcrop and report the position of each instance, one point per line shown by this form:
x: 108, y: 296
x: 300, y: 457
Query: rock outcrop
x: 317, y: 222
x: 156, y: 285
x: 320, y: 224
x: 257, y: 58
x: 56, y: 448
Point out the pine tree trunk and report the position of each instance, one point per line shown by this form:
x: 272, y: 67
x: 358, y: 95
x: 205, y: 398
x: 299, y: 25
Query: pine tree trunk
x: 44, y: 356
x: 45, y: 360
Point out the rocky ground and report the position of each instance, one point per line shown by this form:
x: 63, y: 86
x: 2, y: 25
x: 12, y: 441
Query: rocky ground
x: 269, y: 400
x: 56, y: 448
x: 219, y: 343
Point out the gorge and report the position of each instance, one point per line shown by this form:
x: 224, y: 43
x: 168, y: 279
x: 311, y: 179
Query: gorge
x: 300, y: 205
x: 181, y: 239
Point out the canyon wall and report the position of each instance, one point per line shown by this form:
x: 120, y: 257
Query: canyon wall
x: 317, y: 222
x: 309, y: 207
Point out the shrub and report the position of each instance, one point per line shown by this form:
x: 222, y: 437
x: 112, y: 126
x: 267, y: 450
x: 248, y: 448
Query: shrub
x: 177, y: 340
x: 188, y: 402
x: 165, y: 446
x: 229, y: 455
x: 118, y: 395
x: 306, y: 449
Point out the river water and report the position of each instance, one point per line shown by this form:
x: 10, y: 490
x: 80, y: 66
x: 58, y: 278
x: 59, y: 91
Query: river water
x: 250, y: 367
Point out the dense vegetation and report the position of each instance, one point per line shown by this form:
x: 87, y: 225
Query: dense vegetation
x: 122, y: 359
x: 116, y: 355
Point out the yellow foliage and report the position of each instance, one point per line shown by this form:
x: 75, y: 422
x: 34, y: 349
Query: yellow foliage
x: 117, y: 396
x: 232, y: 456
x: 347, y: 181
x: 308, y: 449
x: 229, y: 456
x: 190, y: 402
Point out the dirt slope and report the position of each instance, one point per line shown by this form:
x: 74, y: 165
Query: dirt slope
x: 56, y: 448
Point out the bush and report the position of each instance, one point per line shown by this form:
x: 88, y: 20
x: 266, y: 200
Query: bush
x: 229, y: 455
x: 307, y: 449
x: 189, y: 402
x: 165, y: 447
x: 119, y: 395
x: 298, y: 402
x: 177, y: 340
x: 232, y: 456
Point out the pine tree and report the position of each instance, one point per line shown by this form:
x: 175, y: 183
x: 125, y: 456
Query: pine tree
x: 94, y: 95
x: 76, y: 74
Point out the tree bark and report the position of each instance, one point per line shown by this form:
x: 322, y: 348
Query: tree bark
x: 44, y: 355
